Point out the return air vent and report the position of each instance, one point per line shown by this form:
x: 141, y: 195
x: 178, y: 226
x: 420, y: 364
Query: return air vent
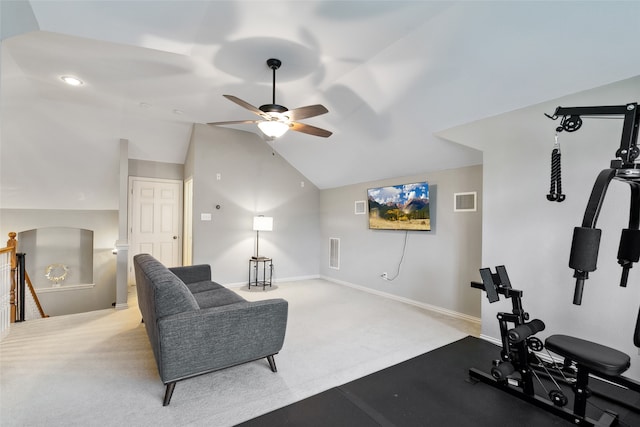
x: 334, y: 253
x: 464, y: 202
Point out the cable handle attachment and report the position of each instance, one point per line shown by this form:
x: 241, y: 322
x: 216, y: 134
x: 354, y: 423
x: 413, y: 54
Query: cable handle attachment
x: 555, y: 189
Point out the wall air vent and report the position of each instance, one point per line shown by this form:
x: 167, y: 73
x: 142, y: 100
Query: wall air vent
x: 464, y: 202
x: 334, y: 253
x: 360, y: 207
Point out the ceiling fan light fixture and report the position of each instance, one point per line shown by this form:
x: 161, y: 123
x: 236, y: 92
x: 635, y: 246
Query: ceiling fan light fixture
x: 273, y: 128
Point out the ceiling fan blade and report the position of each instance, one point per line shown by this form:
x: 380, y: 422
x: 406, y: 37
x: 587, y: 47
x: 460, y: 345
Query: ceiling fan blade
x: 306, y: 112
x: 244, y: 104
x: 311, y: 130
x: 234, y: 122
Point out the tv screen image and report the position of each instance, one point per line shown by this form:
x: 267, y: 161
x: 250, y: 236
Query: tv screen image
x: 400, y: 207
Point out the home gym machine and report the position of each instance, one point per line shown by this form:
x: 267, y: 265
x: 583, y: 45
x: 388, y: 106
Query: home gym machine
x: 520, y: 369
x: 586, y: 239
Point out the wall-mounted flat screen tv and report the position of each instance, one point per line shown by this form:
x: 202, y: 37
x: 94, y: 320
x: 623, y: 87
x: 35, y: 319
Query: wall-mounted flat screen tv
x: 400, y: 207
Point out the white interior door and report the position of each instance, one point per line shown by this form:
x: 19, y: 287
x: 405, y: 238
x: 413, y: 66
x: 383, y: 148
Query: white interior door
x: 155, y: 221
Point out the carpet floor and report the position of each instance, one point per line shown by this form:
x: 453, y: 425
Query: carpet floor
x: 97, y: 368
x: 433, y: 390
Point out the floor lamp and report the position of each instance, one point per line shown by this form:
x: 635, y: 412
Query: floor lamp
x: 261, y: 223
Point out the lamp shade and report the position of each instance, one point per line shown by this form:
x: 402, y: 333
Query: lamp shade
x: 273, y: 128
x: 262, y: 223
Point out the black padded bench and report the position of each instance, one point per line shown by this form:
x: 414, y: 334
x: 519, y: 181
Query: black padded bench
x: 589, y: 358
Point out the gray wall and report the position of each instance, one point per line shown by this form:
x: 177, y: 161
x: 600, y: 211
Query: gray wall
x: 147, y: 169
x: 255, y: 180
x: 437, y: 266
x: 105, y: 228
x: 532, y: 236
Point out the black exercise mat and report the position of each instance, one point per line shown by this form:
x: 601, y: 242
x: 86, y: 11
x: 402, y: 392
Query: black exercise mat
x: 432, y: 389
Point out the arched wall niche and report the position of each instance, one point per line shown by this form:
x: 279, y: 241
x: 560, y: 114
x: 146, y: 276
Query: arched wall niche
x: 58, y: 258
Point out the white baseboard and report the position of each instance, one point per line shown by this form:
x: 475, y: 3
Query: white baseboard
x: 493, y: 340
x: 297, y: 278
x: 422, y: 305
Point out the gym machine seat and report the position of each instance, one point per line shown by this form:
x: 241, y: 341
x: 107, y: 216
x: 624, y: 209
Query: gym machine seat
x: 589, y: 358
x: 596, y: 358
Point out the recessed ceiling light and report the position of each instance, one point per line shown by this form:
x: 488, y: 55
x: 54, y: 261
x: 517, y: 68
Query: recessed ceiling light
x: 73, y: 81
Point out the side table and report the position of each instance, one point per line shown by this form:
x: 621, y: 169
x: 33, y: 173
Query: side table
x: 267, y: 266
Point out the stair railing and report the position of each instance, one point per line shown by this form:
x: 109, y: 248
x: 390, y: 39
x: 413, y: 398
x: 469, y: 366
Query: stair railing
x: 7, y: 285
x: 14, y: 281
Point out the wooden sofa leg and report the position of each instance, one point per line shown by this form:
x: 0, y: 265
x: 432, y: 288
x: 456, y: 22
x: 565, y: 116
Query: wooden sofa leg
x: 168, y: 393
x: 272, y: 363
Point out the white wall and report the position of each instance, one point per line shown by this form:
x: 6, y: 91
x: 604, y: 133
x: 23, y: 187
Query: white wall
x: 254, y: 180
x: 532, y: 237
x: 104, y: 225
x: 437, y: 266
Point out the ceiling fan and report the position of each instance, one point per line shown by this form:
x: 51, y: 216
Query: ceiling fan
x: 276, y: 119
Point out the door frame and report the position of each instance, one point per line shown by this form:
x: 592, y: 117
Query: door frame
x: 187, y: 222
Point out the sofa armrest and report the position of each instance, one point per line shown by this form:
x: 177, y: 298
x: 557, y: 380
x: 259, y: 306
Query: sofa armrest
x: 192, y: 273
x: 201, y: 341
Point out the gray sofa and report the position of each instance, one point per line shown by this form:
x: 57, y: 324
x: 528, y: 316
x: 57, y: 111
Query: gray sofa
x: 197, y: 326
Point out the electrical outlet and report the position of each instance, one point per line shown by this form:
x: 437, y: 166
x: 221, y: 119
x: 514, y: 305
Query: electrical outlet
x: 384, y: 276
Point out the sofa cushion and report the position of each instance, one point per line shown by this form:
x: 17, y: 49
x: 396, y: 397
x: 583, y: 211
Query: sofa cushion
x: 205, y: 285
x: 173, y: 296
x: 192, y: 273
x: 169, y: 293
x: 217, y: 298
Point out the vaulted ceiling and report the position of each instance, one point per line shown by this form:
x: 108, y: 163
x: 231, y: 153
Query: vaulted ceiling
x: 391, y: 73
